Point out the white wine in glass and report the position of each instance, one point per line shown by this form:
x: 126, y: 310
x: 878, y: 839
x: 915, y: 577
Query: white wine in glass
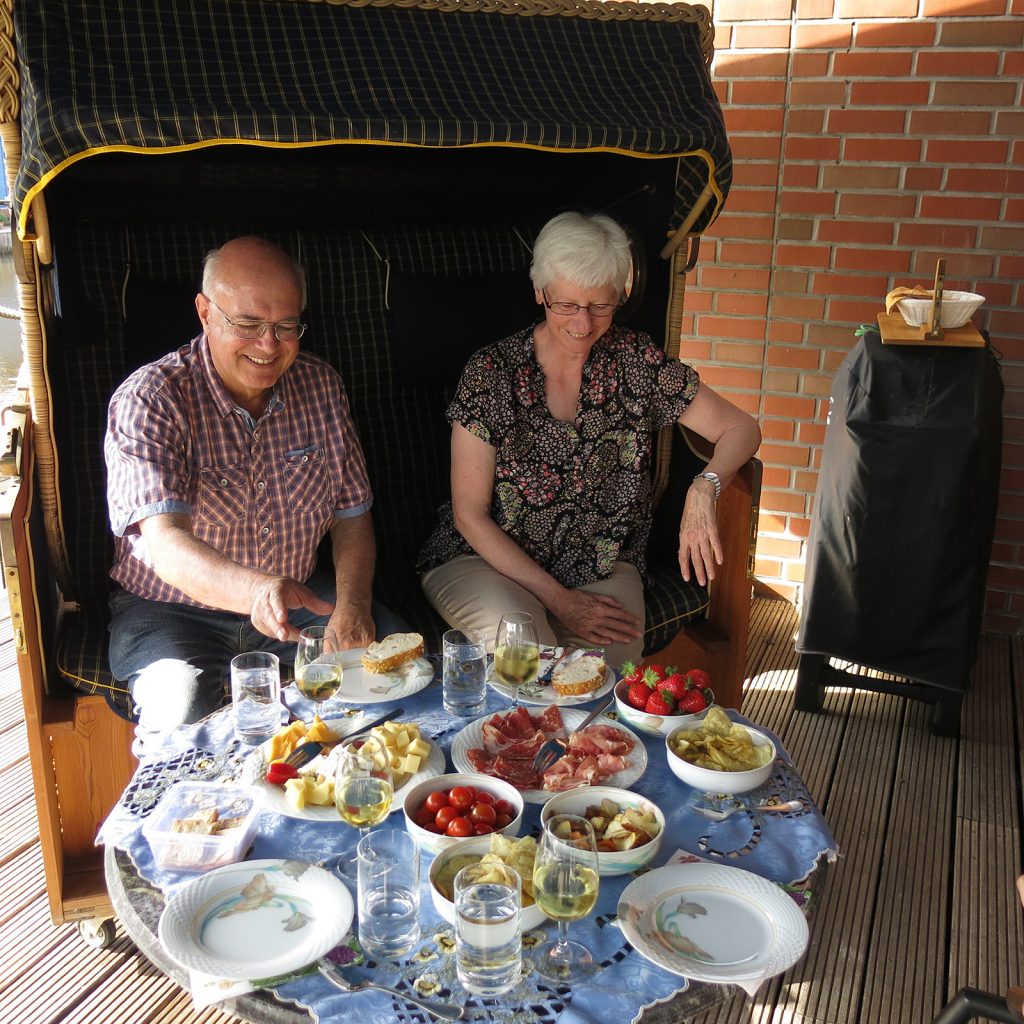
x: 565, y: 887
x: 318, y: 665
x: 516, y: 652
x: 363, y: 792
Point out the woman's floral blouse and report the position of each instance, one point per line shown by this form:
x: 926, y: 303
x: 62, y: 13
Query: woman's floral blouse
x: 575, y: 497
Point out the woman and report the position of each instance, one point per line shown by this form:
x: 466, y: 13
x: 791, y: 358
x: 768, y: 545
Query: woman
x: 552, y: 433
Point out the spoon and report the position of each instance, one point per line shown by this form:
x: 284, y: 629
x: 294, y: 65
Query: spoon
x: 446, y: 1011
x: 713, y: 815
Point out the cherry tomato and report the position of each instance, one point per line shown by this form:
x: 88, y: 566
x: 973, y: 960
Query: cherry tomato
x: 459, y: 827
x: 504, y: 807
x: 502, y: 821
x: 433, y: 828
x: 462, y: 797
x: 436, y: 801
x: 424, y: 816
x: 483, y: 814
x: 445, y: 816
x: 483, y: 830
x: 485, y: 798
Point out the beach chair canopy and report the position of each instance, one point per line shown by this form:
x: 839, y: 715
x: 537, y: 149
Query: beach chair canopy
x: 563, y: 76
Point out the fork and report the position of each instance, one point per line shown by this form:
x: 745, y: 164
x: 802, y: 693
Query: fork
x: 554, y: 749
x: 446, y: 1011
x: 713, y: 815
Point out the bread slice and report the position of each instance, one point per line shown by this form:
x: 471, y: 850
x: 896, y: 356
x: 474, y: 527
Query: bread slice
x: 582, y: 675
x: 394, y: 650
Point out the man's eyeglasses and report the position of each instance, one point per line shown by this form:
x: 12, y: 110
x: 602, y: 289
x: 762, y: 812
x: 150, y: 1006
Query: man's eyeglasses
x: 251, y: 330
x: 572, y: 308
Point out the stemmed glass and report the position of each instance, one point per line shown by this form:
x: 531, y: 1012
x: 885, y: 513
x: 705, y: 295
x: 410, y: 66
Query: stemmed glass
x: 318, y: 666
x: 516, y: 652
x: 363, y: 792
x: 565, y: 886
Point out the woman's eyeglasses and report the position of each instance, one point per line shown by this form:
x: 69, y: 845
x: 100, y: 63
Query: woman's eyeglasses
x: 572, y: 308
x: 251, y: 330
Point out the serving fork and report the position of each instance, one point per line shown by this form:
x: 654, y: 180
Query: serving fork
x: 446, y: 1011
x: 553, y: 749
x: 785, y: 808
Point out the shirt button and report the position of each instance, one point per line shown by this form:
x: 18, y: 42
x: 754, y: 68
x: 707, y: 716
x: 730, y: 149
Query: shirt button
x: 265, y: 530
x: 223, y: 481
x: 260, y: 485
x: 305, y: 458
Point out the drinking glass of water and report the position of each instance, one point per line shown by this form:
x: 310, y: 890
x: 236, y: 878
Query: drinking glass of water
x: 363, y: 792
x: 464, y: 683
x: 516, y: 652
x: 388, y: 892
x: 318, y: 666
x: 256, y: 696
x: 488, y: 928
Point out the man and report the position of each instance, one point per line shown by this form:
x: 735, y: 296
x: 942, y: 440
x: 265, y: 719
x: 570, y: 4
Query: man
x: 228, y: 461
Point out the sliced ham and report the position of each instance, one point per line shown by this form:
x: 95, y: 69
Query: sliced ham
x: 600, y: 739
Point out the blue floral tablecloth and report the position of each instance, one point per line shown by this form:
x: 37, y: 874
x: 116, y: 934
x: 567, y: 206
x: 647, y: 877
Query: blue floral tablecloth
x: 785, y: 848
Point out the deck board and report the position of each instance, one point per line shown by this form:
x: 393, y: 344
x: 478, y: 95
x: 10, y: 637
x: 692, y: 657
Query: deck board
x: 920, y: 902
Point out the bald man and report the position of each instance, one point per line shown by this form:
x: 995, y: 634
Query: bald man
x: 228, y: 461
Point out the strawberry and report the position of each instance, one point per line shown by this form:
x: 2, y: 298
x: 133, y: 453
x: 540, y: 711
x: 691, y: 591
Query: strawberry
x: 661, y: 702
x: 697, y: 678
x: 692, y: 702
x: 659, y: 672
x: 675, y: 684
x: 631, y: 673
x: 637, y: 694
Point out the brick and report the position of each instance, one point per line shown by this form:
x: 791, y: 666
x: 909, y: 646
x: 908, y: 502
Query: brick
x: 896, y: 150
x: 754, y: 119
x: 807, y: 9
x: 757, y: 147
x: 761, y: 37
x: 805, y: 121
x: 720, y: 377
x: 778, y: 380
x: 956, y: 64
x: 788, y: 407
x: 759, y: 93
x: 722, y: 36
x: 810, y: 65
x: 953, y: 207
x: 1010, y: 239
x: 698, y: 301
x: 890, y: 93
x: 744, y: 10
x: 890, y: 261
x: 811, y: 307
x: 750, y: 174
x: 997, y: 180
x: 793, y: 201
x: 811, y: 433
x: 976, y: 94
x: 894, y: 207
x: 736, y: 64
x: 785, y: 332
x: 777, y: 430
x: 961, y: 123
x: 817, y: 94
x: 798, y: 525
x: 916, y: 35
x: 785, y: 454
x: 754, y: 278
x: 850, y: 284
x: 740, y: 226
x: 866, y: 122
x: 979, y: 151
x: 877, y: 8
x: 798, y: 357
x: 749, y: 253
x: 922, y: 179
x: 752, y: 200
x: 1010, y: 122
x: 959, y: 8
x: 859, y: 232
x: 792, y: 281
x: 798, y: 147
x: 767, y: 567
x: 768, y: 523
x: 744, y: 303
x: 817, y: 384
x: 783, y: 501
x: 847, y: 177
x: 862, y: 311
x: 778, y: 547
x: 1003, y: 35
x: 740, y: 355
x: 833, y: 36
x: 1006, y: 322
x: 800, y: 176
x: 891, y: 64
x: 946, y: 236
x: 795, y: 229
x: 732, y: 327
x: 791, y: 255
x: 806, y: 482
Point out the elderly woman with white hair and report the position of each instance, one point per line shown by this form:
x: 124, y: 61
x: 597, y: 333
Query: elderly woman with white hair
x: 552, y: 435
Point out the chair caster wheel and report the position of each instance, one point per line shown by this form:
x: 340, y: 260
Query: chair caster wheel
x: 97, y: 932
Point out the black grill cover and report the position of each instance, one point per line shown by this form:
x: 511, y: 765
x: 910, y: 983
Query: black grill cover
x: 904, y: 511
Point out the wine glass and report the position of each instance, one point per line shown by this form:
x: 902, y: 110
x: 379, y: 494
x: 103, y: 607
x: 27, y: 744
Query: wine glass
x: 363, y: 792
x: 318, y: 666
x: 516, y: 652
x: 565, y: 885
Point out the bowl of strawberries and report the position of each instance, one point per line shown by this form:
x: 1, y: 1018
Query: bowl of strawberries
x: 657, y: 700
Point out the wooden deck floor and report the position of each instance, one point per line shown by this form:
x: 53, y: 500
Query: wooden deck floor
x: 920, y: 903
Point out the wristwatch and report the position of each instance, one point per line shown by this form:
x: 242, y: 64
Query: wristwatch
x: 713, y: 478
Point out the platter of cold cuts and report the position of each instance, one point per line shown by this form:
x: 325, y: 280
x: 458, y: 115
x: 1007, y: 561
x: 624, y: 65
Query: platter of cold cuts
x: 504, y: 745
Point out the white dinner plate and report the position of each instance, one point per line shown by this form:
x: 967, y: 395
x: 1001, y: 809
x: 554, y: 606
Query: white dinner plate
x: 361, y: 687
x: 472, y: 736
x: 274, y: 798
x: 256, y: 919
x: 544, y: 693
x: 712, y: 923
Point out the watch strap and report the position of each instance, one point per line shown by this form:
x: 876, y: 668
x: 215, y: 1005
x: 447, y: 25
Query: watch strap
x: 713, y: 479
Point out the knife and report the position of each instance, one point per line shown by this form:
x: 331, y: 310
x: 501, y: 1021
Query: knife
x: 936, y: 333
x: 355, y: 726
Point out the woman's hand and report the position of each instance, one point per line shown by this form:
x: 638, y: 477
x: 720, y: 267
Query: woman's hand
x: 598, y: 618
x: 699, y: 543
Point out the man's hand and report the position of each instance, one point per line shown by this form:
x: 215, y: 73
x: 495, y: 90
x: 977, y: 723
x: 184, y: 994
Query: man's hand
x: 598, y: 618
x: 354, y: 627
x: 274, y: 597
x: 699, y: 543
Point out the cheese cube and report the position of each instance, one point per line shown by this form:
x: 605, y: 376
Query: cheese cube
x: 411, y: 764
x: 295, y: 792
x: 419, y: 747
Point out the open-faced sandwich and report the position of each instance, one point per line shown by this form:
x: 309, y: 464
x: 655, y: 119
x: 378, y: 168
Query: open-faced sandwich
x: 392, y: 652
x: 580, y: 675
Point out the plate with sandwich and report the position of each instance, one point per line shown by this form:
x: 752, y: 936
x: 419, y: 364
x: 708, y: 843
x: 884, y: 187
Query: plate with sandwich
x: 390, y: 669
x: 566, y: 677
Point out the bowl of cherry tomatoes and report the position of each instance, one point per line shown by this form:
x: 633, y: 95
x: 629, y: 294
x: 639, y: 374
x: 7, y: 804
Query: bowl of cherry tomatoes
x: 442, y: 810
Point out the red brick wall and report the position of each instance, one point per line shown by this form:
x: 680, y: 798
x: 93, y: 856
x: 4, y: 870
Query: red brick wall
x: 869, y: 137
